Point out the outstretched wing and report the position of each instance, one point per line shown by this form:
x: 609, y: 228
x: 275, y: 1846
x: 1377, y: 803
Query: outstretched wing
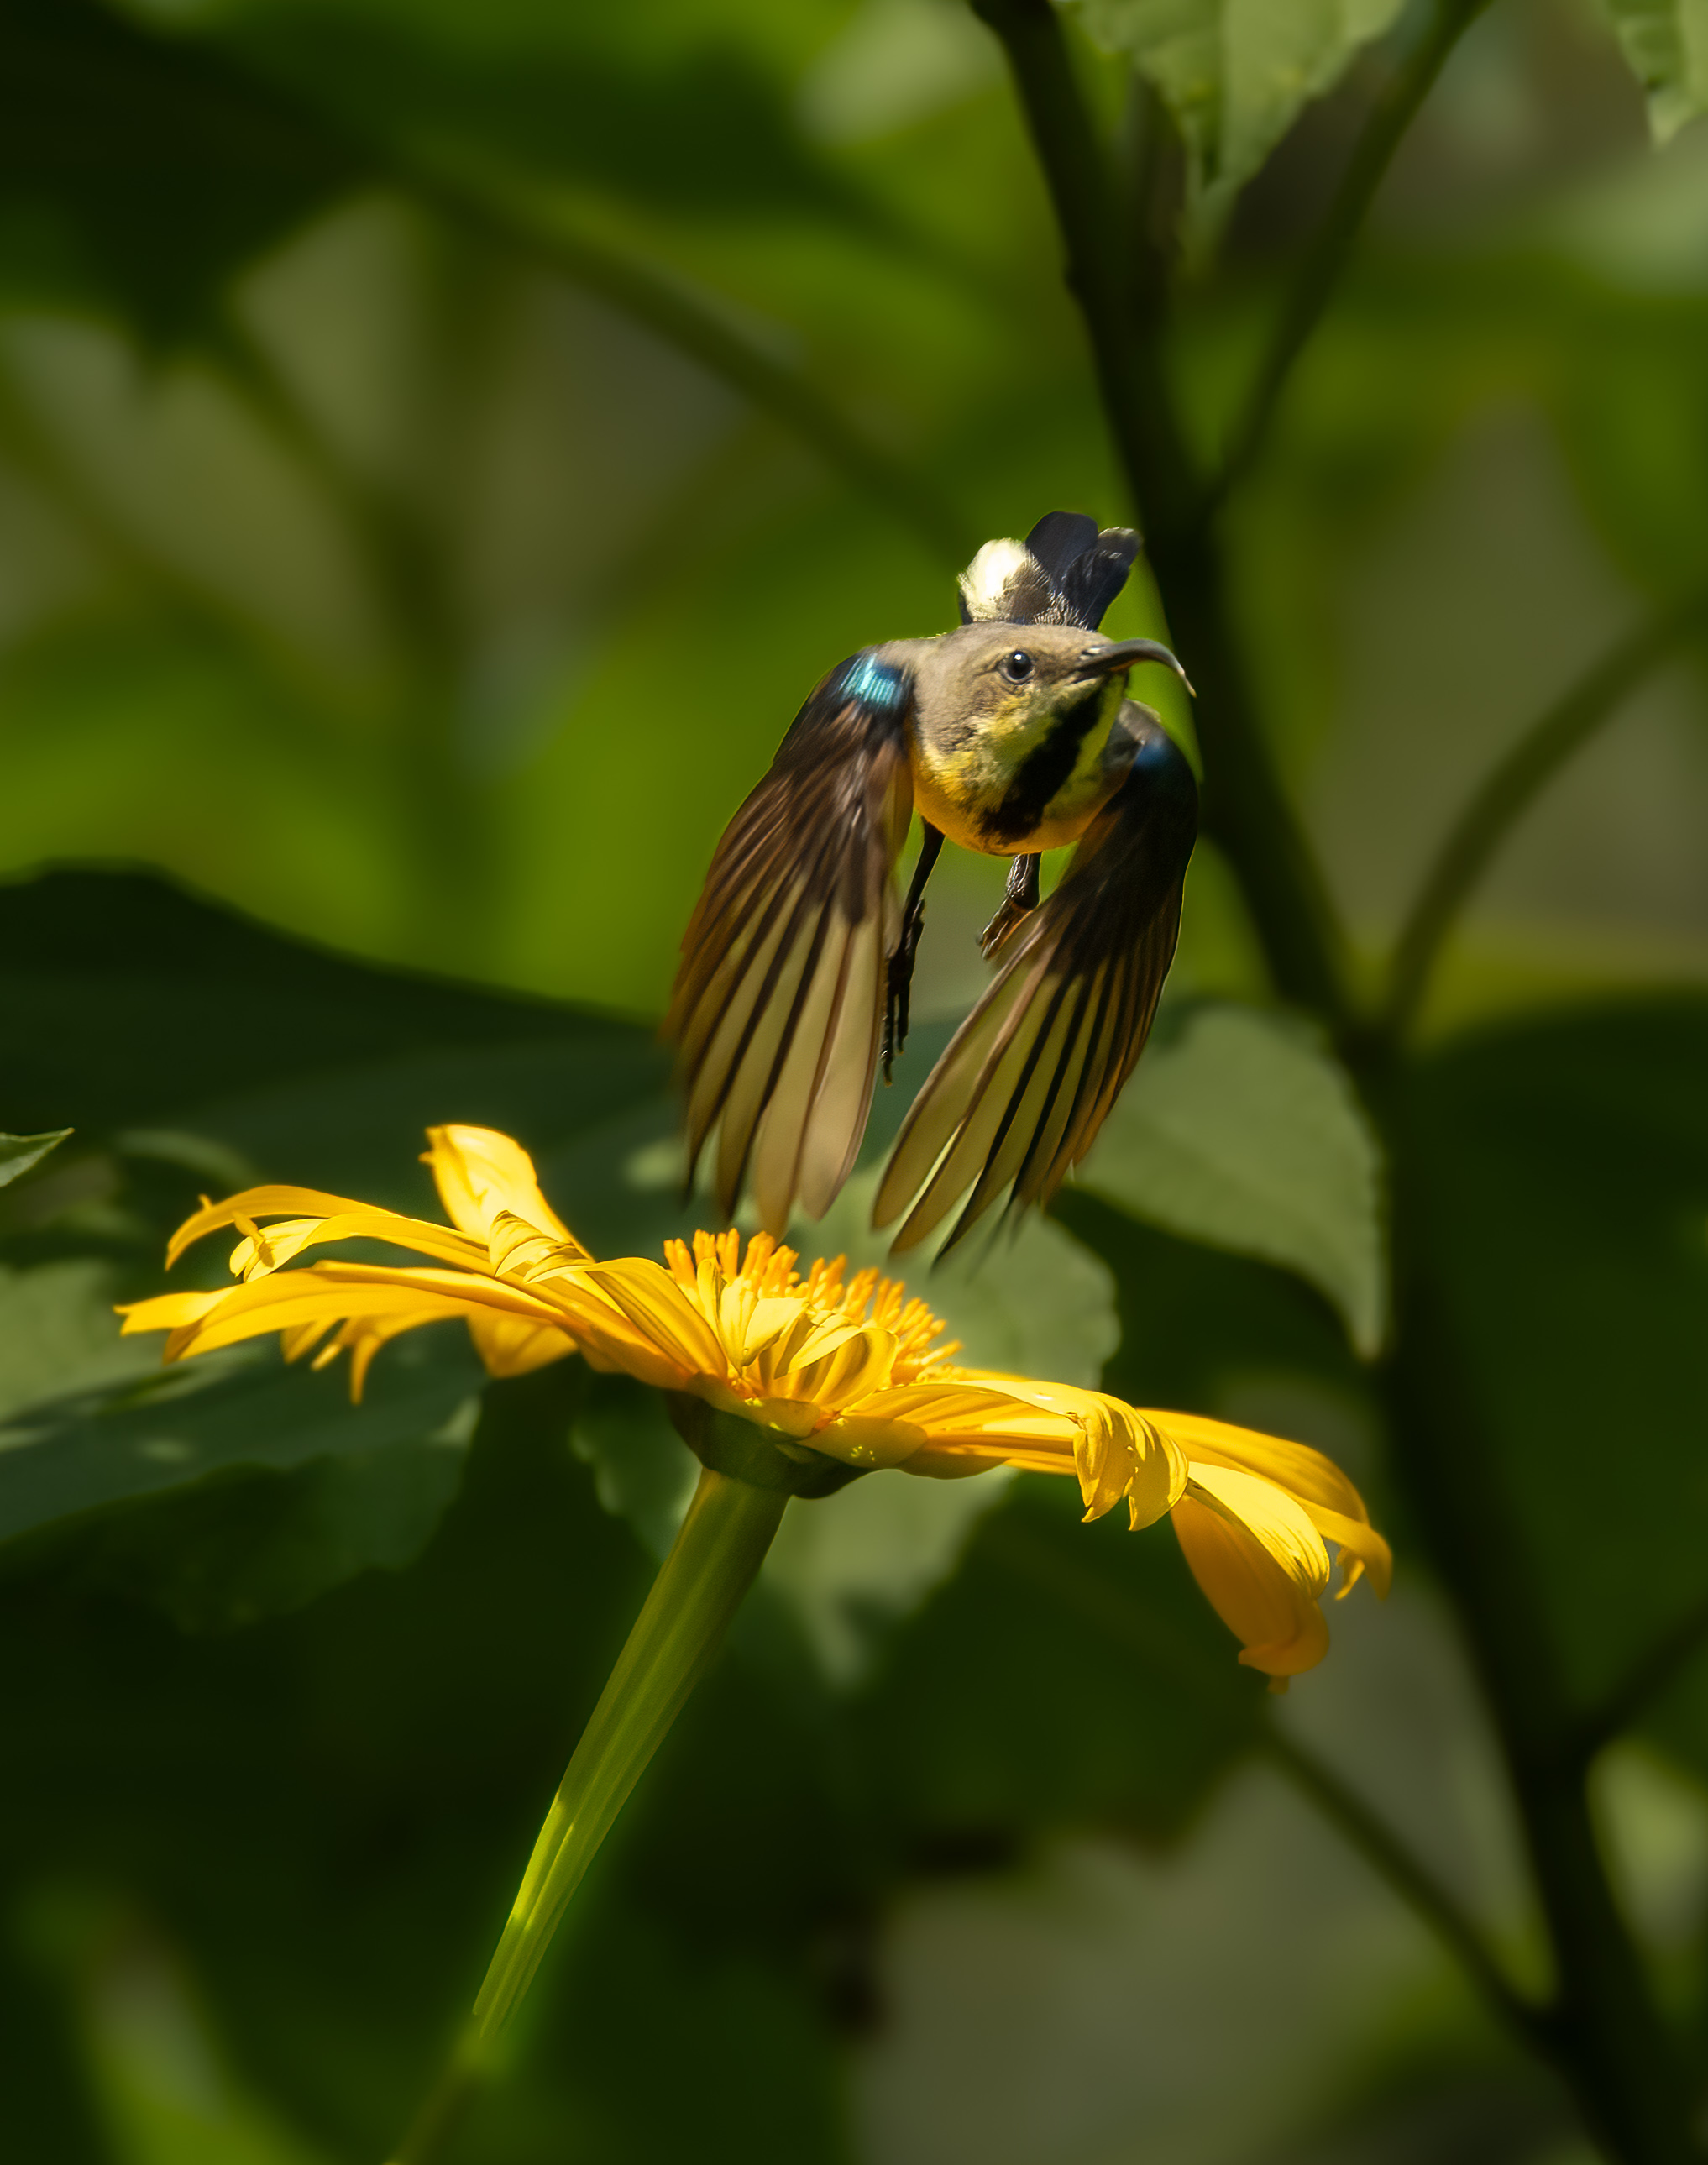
x: 780, y: 994
x: 1026, y: 1081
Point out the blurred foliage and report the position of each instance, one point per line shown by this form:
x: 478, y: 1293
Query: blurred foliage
x: 439, y: 447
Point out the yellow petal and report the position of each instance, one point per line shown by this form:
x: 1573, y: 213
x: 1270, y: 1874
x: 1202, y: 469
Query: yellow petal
x: 1117, y: 1451
x: 976, y: 1415
x: 203, y: 1322
x: 515, y: 1249
x: 1333, y: 1504
x: 257, y: 1203
x: 297, y: 1302
x: 858, y: 1365
x: 858, y: 1439
x: 266, y: 1249
x: 480, y: 1172
x: 657, y: 1307
x: 512, y: 1345
x: 1258, y: 1556
x: 748, y: 1324
x: 169, y: 1311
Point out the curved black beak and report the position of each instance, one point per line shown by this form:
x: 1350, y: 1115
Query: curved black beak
x: 1123, y: 653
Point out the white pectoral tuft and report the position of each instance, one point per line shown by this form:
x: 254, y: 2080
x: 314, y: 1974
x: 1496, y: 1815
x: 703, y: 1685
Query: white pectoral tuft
x: 1004, y: 584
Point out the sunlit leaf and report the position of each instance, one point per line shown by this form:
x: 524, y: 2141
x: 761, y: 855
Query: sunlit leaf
x: 1666, y: 43
x: 1244, y: 1132
x: 17, y: 1153
x: 1235, y: 73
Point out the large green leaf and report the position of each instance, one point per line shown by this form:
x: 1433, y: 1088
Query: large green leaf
x: 1235, y: 73
x: 1244, y: 1131
x: 67, y: 1456
x: 130, y: 999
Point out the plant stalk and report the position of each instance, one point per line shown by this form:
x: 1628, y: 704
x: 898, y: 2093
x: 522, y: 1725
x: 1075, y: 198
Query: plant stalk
x: 716, y: 1555
x: 1246, y: 810
x: 1326, y: 258
x: 1506, y: 793
x: 1601, y: 2030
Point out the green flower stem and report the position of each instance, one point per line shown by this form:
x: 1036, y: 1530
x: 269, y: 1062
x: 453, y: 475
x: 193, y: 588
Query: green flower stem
x: 730, y: 1526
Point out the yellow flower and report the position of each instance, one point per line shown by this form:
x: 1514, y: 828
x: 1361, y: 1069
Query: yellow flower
x: 793, y: 1381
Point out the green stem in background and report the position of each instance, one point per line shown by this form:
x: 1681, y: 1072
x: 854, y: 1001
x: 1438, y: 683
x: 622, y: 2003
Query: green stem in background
x: 716, y: 1555
x: 1176, y: 1659
x: 1660, y: 1665
x: 1245, y: 807
x: 1604, y: 2033
x: 695, y: 324
x: 1507, y: 793
x: 1320, y: 271
x: 1364, y: 1830
x: 1600, y: 2031
x: 697, y: 327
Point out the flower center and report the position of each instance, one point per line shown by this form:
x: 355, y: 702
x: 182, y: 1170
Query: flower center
x: 827, y: 1337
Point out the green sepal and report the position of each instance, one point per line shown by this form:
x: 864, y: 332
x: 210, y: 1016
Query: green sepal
x: 763, y: 1457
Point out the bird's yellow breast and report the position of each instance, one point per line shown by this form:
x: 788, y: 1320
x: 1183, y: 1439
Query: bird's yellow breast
x: 1022, y: 779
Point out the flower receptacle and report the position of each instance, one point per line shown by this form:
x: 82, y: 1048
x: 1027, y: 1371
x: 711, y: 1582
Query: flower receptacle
x: 749, y: 1450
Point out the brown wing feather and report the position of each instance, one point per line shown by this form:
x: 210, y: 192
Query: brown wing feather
x: 780, y: 994
x: 1019, y: 1095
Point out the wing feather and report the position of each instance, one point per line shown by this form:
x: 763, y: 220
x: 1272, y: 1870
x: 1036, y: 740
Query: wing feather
x: 779, y: 999
x: 1018, y: 1096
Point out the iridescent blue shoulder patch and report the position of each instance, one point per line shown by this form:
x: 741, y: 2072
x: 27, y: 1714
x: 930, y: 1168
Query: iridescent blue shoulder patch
x: 875, y: 683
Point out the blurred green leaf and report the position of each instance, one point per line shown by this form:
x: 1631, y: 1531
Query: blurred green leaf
x: 17, y: 1153
x: 135, y: 997
x: 1235, y: 73
x: 1666, y: 43
x: 59, y: 1336
x: 162, y: 2084
x: 643, y: 1471
x: 145, y: 1007
x: 556, y: 98
x: 73, y: 1455
x: 224, y: 1553
x: 1242, y: 1130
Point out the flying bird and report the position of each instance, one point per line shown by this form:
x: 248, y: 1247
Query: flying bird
x: 1009, y: 736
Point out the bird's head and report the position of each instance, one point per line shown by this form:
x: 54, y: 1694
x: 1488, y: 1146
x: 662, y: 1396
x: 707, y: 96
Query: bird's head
x: 1008, y: 679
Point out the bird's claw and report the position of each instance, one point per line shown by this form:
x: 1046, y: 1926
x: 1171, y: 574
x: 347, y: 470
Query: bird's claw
x: 898, y: 995
x: 1010, y: 914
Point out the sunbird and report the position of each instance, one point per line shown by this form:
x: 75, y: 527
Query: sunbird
x: 1009, y: 736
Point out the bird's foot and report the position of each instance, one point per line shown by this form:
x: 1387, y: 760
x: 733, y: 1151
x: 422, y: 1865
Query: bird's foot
x: 898, y: 995
x: 1009, y: 914
x: 1020, y: 900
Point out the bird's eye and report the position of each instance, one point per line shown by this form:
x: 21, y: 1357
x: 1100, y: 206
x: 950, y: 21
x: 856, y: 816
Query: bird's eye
x: 1017, y: 666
